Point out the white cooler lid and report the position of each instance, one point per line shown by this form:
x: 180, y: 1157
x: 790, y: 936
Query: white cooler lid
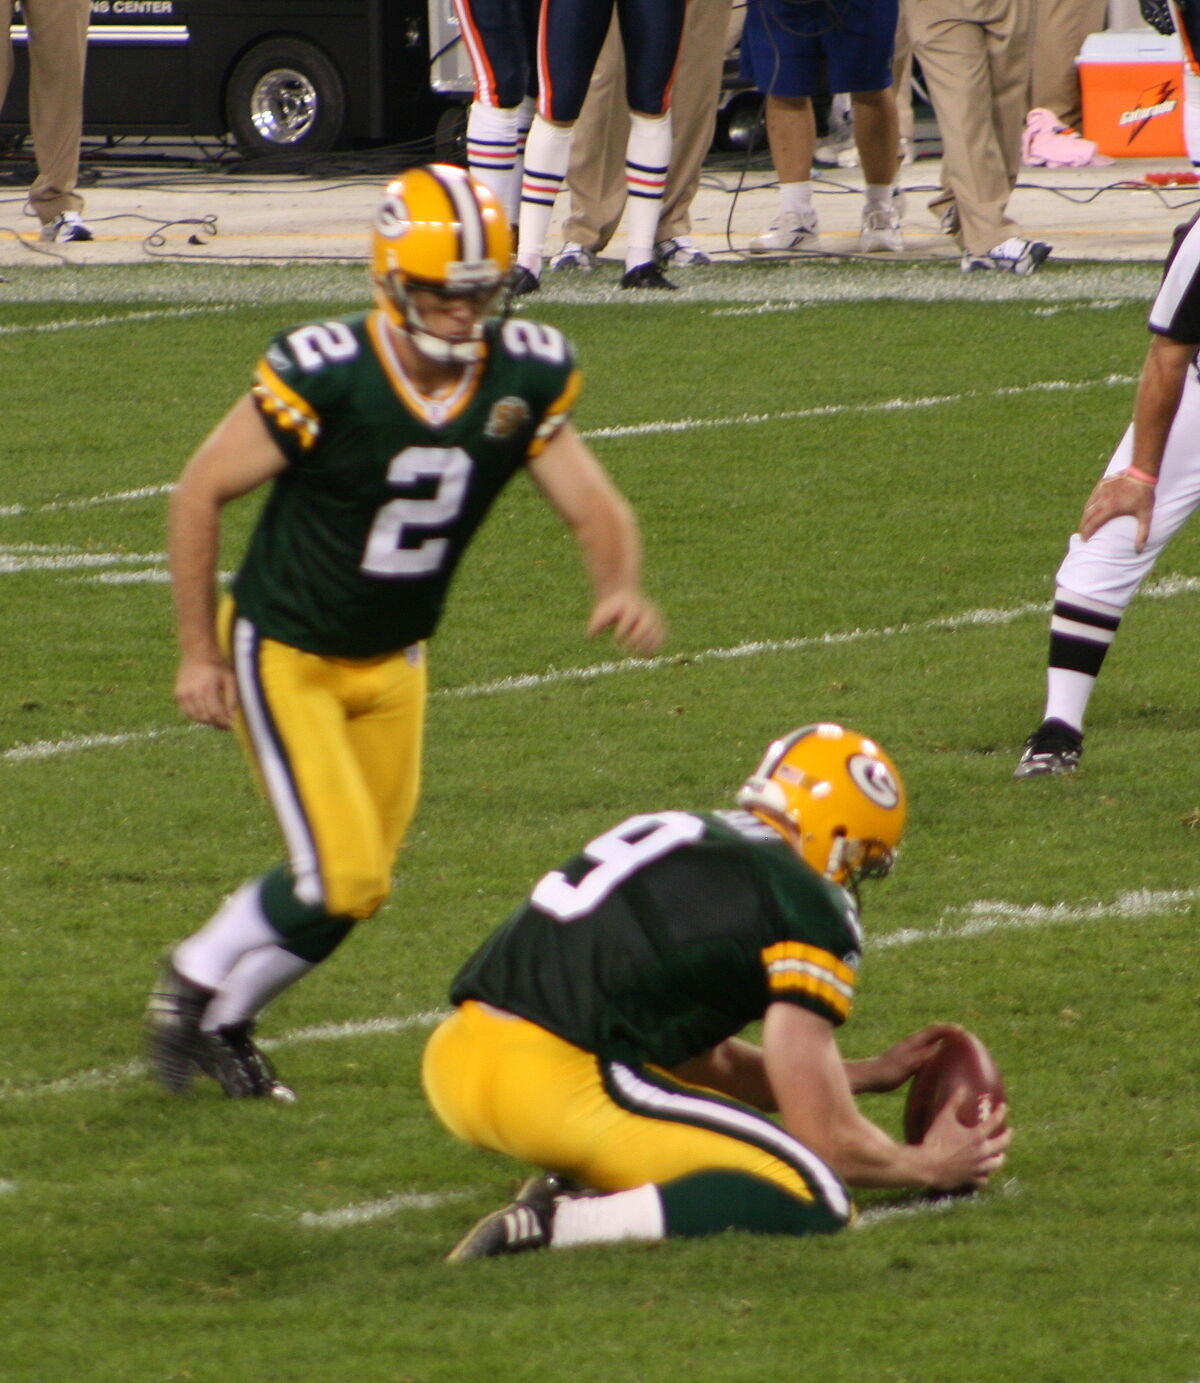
x: 1130, y: 45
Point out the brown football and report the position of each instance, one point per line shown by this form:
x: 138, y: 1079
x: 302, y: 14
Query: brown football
x: 961, y: 1062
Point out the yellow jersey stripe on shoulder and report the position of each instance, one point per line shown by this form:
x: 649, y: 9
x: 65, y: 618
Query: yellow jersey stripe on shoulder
x: 557, y: 414
x: 794, y: 967
x: 285, y: 407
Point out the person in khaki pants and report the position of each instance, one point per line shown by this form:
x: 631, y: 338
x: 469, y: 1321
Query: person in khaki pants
x: 976, y: 59
x: 596, y: 173
x: 57, y: 55
x: 1059, y: 29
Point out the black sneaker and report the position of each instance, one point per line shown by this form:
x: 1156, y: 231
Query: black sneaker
x: 525, y: 1223
x: 173, y: 1039
x: 521, y: 281
x: 1053, y: 748
x: 647, y: 275
x: 230, y: 1056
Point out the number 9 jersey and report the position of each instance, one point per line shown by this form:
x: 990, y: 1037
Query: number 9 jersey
x: 359, y: 539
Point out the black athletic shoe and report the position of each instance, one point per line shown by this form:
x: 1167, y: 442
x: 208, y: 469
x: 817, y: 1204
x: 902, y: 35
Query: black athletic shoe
x: 647, y: 275
x: 1053, y: 748
x: 525, y: 1223
x: 522, y: 281
x: 173, y: 1039
x: 230, y: 1056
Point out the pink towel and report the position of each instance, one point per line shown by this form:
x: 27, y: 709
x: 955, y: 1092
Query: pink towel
x: 1048, y: 143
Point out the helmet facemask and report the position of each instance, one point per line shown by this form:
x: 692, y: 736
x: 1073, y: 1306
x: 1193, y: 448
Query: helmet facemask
x: 395, y: 293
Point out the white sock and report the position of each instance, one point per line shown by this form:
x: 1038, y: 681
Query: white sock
x: 547, y: 153
x: 239, y: 925
x: 647, y: 155
x: 251, y: 985
x: 636, y: 1214
x: 796, y: 197
x: 493, y: 151
x: 879, y: 195
x: 1067, y: 695
x: 525, y: 113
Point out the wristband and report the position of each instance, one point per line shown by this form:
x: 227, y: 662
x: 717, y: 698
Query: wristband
x: 1144, y: 477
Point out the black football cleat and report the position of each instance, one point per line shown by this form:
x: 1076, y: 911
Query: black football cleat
x: 173, y: 1040
x: 525, y: 1223
x: 231, y: 1057
x: 522, y: 281
x: 647, y: 275
x: 1054, y: 748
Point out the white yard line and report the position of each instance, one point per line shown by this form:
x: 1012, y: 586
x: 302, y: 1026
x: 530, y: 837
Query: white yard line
x: 665, y: 425
x: 1162, y: 590
x: 368, y: 1211
x: 82, y: 323
x: 982, y: 918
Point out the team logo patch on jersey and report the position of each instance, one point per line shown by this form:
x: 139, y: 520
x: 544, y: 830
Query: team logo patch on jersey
x: 507, y: 416
x: 875, y: 780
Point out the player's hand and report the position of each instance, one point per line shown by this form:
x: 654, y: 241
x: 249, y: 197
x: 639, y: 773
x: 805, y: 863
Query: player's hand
x: 206, y: 692
x: 904, y: 1059
x: 635, y: 621
x: 1113, y: 497
x: 957, y: 1157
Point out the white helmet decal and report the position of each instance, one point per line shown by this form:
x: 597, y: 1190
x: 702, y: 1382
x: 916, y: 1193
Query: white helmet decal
x: 393, y: 218
x: 875, y: 780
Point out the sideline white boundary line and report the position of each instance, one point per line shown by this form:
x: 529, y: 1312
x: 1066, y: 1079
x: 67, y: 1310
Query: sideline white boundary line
x: 982, y: 919
x: 1162, y: 590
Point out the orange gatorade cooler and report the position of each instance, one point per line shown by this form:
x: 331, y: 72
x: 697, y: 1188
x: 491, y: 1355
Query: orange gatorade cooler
x: 1131, y: 82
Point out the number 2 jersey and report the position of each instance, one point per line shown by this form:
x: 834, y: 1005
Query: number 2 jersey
x: 360, y: 535
x: 667, y: 935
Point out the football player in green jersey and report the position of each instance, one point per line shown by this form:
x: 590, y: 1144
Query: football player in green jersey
x: 384, y: 437
x: 595, y: 1034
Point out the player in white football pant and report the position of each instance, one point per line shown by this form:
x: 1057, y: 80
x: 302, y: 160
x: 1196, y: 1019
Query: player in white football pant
x: 1150, y: 488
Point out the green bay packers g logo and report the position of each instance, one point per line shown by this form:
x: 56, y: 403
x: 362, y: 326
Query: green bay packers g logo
x: 393, y: 218
x: 874, y: 779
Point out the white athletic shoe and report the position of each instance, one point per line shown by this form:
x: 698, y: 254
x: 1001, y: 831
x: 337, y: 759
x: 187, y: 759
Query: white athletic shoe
x: 573, y: 256
x: 880, y: 231
x: 66, y: 226
x: 788, y: 231
x: 1015, y: 255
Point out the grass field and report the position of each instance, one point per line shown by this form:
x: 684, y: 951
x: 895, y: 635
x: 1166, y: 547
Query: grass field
x: 853, y: 510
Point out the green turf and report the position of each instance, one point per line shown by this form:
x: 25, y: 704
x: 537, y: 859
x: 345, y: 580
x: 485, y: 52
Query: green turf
x: 853, y: 508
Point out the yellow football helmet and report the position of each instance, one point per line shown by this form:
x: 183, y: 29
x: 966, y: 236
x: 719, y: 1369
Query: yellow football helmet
x: 836, y: 796
x: 439, y: 229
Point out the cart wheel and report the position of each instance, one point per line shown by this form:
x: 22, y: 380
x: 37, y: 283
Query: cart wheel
x: 285, y: 96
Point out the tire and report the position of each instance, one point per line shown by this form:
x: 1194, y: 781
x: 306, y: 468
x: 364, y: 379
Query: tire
x: 285, y: 97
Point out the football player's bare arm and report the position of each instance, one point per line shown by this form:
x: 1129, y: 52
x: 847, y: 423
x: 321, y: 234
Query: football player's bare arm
x: 892, y: 1068
x: 734, y: 1068
x: 1159, y: 389
x: 580, y: 492
x: 817, y: 1106
x: 238, y: 456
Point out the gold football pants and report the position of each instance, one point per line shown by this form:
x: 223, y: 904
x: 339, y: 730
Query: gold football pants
x: 336, y: 746
x: 503, y: 1083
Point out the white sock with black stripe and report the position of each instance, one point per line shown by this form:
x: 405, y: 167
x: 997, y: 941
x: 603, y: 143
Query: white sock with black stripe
x: 636, y: 1214
x: 647, y: 156
x: 547, y: 154
x: 493, y: 151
